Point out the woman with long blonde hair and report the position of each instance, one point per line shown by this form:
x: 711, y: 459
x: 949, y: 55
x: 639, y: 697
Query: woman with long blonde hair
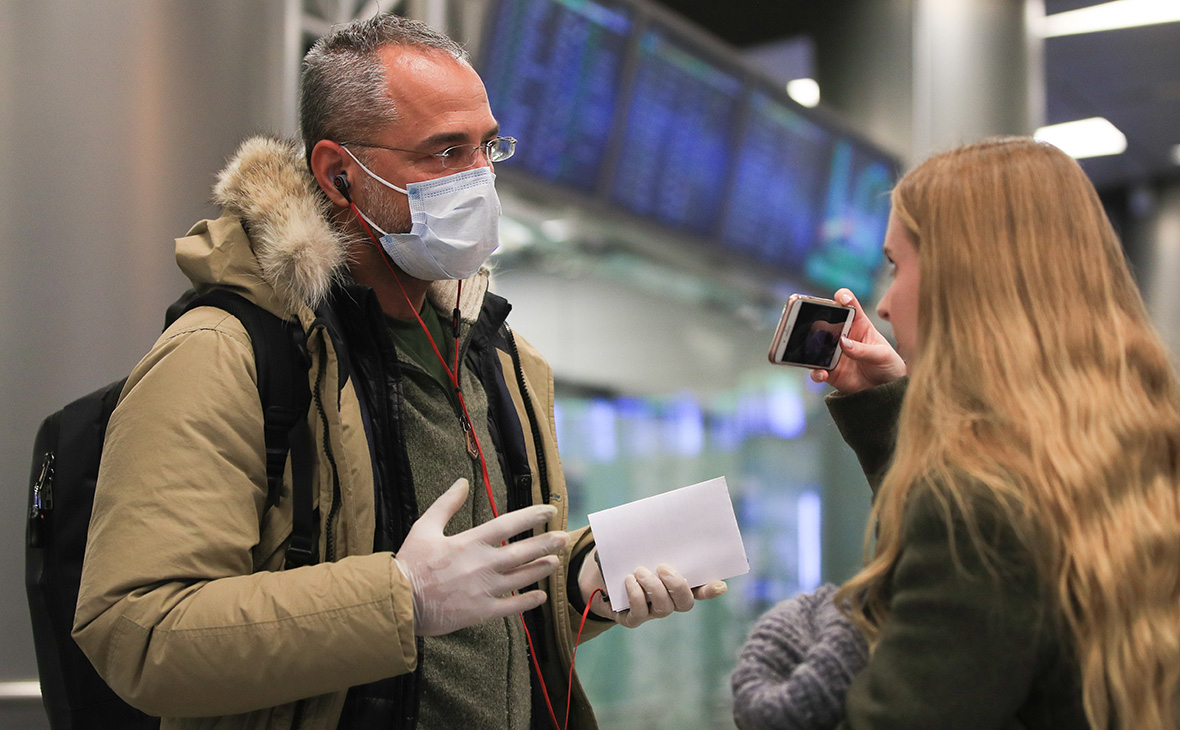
x: 1023, y: 556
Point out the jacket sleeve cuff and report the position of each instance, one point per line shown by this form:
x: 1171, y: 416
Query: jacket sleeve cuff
x: 573, y: 590
x: 403, y: 615
x: 868, y: 423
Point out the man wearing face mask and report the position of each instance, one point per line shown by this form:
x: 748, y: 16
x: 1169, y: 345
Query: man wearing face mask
x: 445, y: 591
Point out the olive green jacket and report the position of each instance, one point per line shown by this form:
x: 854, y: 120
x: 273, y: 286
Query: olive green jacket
x: 963, y: 648
x: 184, y: 608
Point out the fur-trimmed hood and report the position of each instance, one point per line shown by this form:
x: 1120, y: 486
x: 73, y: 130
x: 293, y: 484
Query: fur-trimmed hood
x: 274, y: 239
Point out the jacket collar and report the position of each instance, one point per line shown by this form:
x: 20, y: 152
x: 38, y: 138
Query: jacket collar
x: 298, y: 253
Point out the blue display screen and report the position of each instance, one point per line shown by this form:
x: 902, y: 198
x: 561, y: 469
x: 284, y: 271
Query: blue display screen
x: 855, y: 214
x: 610, y: 100
x: 676, y: 149
x: 777, y: 196
x: 553, y: 71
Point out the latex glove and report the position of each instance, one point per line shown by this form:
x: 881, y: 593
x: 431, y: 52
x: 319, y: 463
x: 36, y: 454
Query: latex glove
x: 868, y: 359
x: 469, y: 578
x: 652, y: 595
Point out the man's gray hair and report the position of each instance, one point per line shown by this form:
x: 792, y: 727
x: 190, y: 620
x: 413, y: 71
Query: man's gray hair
x: 342, y: 91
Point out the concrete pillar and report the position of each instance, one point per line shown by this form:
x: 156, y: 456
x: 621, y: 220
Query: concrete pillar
x: 114, y: 118
x: 977, y: 72
x: 1158, y: 241
x: 865, y: 68
x: 918, y: 76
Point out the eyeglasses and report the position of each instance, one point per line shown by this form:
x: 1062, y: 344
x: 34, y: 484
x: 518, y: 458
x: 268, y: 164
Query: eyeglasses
x: 461, y: 156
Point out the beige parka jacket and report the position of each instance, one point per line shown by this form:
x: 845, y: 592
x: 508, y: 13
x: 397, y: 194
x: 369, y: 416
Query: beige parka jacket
x: 184, y: 607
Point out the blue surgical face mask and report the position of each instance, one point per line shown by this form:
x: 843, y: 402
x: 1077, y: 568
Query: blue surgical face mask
x: 455, y: 224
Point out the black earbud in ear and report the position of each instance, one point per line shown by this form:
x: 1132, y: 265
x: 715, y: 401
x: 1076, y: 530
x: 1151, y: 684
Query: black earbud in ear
x: 340, y: 182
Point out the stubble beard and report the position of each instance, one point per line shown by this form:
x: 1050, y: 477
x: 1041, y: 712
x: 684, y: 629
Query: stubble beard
x: 381, y: 209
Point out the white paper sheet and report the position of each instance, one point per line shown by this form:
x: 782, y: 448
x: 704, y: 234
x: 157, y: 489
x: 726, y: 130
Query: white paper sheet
x: 693, y: 529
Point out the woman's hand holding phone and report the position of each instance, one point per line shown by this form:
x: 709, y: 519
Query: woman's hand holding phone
x: 869, y: 360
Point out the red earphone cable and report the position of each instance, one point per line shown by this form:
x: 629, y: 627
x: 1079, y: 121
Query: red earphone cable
x: 469, y: 429
x: 452, y: 374
x: 574, y: 656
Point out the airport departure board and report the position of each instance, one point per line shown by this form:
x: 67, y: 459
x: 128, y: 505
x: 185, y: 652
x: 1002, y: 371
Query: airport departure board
x: 553, y: 74
x: 678, y: 136
x: 622, y: 104
x: 856, y: 212
x: 775, y: 210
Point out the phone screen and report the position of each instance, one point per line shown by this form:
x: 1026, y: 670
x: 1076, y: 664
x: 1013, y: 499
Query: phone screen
x: 816, y: 334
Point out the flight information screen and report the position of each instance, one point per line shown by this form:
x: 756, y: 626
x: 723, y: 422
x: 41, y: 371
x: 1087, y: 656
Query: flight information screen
x: 678, y: 136
x: 775, y: 210
x: 553, y: 71
x: 611, y: 101
x: 855, y: 214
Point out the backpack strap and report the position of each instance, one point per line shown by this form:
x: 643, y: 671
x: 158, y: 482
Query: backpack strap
x: 281, y: 363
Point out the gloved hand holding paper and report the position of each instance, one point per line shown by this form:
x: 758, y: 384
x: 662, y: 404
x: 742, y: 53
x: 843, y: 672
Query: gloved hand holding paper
x: 693, y: 529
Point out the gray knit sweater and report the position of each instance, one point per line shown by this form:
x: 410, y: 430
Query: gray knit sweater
x: 796, y: 666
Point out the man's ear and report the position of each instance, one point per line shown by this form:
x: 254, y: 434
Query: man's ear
x: 329, y: 165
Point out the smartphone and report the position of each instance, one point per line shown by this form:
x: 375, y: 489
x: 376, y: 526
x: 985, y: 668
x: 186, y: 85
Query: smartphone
x: 809, y: 332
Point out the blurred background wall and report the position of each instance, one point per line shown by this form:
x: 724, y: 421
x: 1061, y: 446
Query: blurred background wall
x: 116, y: 115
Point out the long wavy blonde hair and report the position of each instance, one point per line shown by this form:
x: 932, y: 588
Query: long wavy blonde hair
x: 1042, y: 384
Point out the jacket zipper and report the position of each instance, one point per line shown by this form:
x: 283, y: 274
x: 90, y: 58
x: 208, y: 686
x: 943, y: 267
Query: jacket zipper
x: 538, y: 443
x: 330, y: 529
x: 457, y: 407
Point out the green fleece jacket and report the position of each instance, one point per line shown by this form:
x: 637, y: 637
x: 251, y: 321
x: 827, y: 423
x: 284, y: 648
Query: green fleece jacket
x: 456, y: 686
x: 964, y: 648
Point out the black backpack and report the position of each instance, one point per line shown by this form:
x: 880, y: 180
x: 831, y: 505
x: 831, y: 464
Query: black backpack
x: 66, y: 455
